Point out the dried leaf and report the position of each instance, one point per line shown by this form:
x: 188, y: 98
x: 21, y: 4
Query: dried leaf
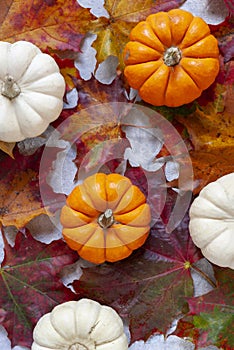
x: 48, y: 24
x: 72, y: 99
x: 212, y: 315
x: 30, y: 284
x: 112, y: 33
x: 96, y: 7
x: 19, y: 190
x: 159, y: 342
x: 212, y: 11
x: 7, y: 147
x: 106, y: 71
x: 86, y: 61
x: 211, y: 129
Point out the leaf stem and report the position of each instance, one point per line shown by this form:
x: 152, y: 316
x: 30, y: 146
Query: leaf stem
x: 204, y: 275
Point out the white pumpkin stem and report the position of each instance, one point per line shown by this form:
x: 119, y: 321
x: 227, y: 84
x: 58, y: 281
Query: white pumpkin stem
x: 172, y: 56
x: 10, y: 88
x: 106, y: 219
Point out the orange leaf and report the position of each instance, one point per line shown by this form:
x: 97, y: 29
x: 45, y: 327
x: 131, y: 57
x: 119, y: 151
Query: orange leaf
x: 18, y: 205
x: 211, y: 129
x: 56, y: 24
x: 19, y: 190
x: 7, y: 147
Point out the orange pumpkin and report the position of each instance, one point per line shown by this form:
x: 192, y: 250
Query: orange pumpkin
x: 105, y: 218
x: 171, y: 58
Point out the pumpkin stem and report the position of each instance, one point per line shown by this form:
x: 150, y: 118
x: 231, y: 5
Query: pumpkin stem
x: 106, y: 219
x: 10, y: 88
x: 172, y: 56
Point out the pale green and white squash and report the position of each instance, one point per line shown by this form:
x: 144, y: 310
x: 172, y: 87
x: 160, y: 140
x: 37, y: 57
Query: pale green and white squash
x: 212, y: 221
x: 31, y: 91
x: 80, y: 325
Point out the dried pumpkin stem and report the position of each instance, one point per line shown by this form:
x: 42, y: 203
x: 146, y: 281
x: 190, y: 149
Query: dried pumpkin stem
x: 172, y: 56
x: 10, y: 88
x: 106, y: 219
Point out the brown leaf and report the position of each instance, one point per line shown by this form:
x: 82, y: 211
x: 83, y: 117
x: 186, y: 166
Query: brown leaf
x: 209, y: 166
x: 211, y: 129
x: 113, y: 32
x: 19, y: 190
x: 47, y: 23
x: 7, y: 147
x: 92, y: 92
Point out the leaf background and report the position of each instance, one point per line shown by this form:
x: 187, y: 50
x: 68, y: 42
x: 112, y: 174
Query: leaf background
x: 154, y: 286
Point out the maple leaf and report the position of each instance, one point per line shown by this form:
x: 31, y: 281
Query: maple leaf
x: 30, y: 284
x: 51, y: 24
x: 212, y: 319
x: 211, y: 130
x: 113, y: 32
x: 148, y: 289
x: 19, y: 189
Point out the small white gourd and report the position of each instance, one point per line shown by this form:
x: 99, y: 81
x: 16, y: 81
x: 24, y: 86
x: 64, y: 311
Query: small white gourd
x: 212, y: 221
x: 31, y: 91
x: 80, y: 325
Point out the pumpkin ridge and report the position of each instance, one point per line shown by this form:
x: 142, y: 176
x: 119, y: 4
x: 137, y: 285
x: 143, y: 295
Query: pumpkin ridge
x: 165, y: 86
x: 36, y: 53
x: 20, y: 101
x: 89, y: 195
x: 218, y: 206
x: 186, y: 47
x: 192, y: 71
x: 139, y: 67
x: 153, y: 72
x: 167, y: 81
x: 182, y: 36
x: 197, y: 21
x: 67, y: 236
x: 116, y: 233
x: 28, y: 100
x: 189, y: 75
x: 214, y: 237
x: 120, y: 197
x: 134, y: 240
x: 195, y: 42
x: 85, y: 242
x: 148, y: 45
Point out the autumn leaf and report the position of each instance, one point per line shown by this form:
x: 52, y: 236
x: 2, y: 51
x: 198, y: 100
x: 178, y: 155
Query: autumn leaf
x: 19, y: 189
x: 212, y: 319
x: 211, y: 131
x: 148, y: 289
x: 30, y: 284
x: 7, y: 147
x: 54, y: 24
x: 113, y: 32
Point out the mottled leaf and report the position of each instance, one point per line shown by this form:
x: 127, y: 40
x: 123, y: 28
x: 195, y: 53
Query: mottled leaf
x: 211, y: 130
x: 113, y: 32
x: 30, y: 284
x: 19, y: 189
x: 51, y: 24
x: 212, y: 315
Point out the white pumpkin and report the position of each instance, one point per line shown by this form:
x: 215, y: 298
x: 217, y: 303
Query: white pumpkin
x: 80, y: 325
x: 31, y: 91
x: 212, y: 221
